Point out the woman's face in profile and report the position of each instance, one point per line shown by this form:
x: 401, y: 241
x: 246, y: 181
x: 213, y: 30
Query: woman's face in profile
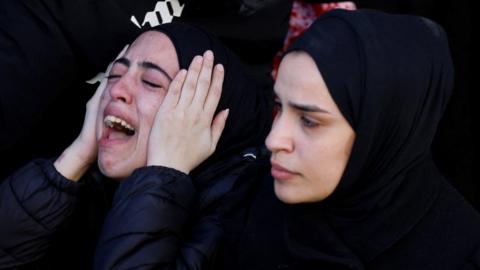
x: 310, y: 139
x: 137, y: 85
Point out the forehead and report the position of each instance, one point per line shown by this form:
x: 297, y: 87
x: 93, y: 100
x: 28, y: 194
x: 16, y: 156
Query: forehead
x: 155, y: 47
x: 300, y: 82
x: 299, y: 78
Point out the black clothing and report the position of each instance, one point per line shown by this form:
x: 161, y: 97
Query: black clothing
x: 445, y: 238
x: 157, y: 219
x: 391, y: 77
x: 452, y: 146
x: 160, y: 222
x: 38, y: 203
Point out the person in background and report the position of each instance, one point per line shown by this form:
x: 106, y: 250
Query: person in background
x: 352, y: 183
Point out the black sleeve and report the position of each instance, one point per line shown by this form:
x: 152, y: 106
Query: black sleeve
x: 34, y: 203
x: 146, y: 225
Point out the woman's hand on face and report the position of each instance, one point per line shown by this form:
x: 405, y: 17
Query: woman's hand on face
x: 185, y: 132
x: 78, y: 157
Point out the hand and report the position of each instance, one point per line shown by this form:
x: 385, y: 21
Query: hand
x: 78, y: 157
x: 184, y: 133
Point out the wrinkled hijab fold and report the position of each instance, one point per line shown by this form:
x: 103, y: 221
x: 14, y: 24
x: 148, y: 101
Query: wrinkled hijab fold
x: 391, y: 77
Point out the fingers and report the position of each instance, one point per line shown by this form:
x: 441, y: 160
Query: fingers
x: 190, y: 85
x: 204, y: 79
x: 218, y: 125
x: 198, y: 82
x: 197, y: 89
x: 215, y: 91
x: 174, y: 90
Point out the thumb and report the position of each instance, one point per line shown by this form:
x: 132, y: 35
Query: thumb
x: 218, y: 125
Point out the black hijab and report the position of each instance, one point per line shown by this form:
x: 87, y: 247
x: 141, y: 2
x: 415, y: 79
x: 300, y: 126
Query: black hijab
x: 391, y: 77
x: 250, y: 114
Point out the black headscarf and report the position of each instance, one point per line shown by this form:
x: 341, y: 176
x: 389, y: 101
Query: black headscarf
x: 391, y: 77
x: 250, y: 114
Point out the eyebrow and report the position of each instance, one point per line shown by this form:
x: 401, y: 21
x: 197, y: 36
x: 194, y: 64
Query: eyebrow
x: 145, y: 64
x: 307, y: 108
x: 150, y: 65
x: 124, y: 61
x: 304, y: 107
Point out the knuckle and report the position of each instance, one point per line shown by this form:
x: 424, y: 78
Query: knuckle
x: 195, y: 69
x: 190, y: 85
x: 204, y: 82
x: 174, y: 90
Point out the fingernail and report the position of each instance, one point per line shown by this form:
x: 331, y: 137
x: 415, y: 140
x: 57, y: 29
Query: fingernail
x: 208, y: 55
x: 198, y: 59
x: 219, y: 67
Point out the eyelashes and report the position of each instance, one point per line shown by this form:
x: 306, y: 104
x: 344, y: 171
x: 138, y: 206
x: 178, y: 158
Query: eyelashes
x: 152, y: 84
x: 307, y: 122
x: 112, y: 76
x: 148, y: 83
x: 304, y: 120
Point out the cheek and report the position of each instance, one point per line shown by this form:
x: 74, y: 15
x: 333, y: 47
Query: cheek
x: 148, y: 106
x: 324, y: 162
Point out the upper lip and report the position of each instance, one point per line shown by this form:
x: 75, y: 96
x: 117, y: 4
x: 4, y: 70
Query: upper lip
x: 278, y: 167
x: 114, y: 110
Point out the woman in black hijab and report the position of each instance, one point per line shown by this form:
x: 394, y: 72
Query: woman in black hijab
x: 360, y: 95
x: 155, y: 216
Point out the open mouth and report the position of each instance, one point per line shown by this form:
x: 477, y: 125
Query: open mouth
x: 119, y: 125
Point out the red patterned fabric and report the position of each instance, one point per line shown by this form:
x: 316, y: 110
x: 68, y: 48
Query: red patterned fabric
x: 302, y: 15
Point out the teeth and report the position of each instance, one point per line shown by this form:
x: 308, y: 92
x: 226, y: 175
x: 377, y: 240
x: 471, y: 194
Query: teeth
x: 111, y: 120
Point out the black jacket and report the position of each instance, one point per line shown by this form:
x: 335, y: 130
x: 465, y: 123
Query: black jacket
x: 447, y: 238
x: 158, y: 218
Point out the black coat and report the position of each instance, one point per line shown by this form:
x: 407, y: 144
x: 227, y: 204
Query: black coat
x: 447, y: 237
x: 155, y: 219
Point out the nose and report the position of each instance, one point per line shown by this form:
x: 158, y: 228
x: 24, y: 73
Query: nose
x: 122, y: 90
x: 280, y: 137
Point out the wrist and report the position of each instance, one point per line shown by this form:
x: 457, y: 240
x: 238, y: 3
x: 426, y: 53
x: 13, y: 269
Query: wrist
x: 73, y: 164
x: 167, y: 162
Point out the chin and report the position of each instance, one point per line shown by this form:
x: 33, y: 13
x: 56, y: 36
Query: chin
x: 113, y: 173
x: 286, y: 194
x: 294, y: 195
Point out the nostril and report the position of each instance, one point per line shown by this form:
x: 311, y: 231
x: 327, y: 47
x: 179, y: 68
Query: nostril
x: 122, y: 99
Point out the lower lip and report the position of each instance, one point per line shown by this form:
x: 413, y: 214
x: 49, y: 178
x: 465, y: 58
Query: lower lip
x: 281, y: 174
x: 111, y: 142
